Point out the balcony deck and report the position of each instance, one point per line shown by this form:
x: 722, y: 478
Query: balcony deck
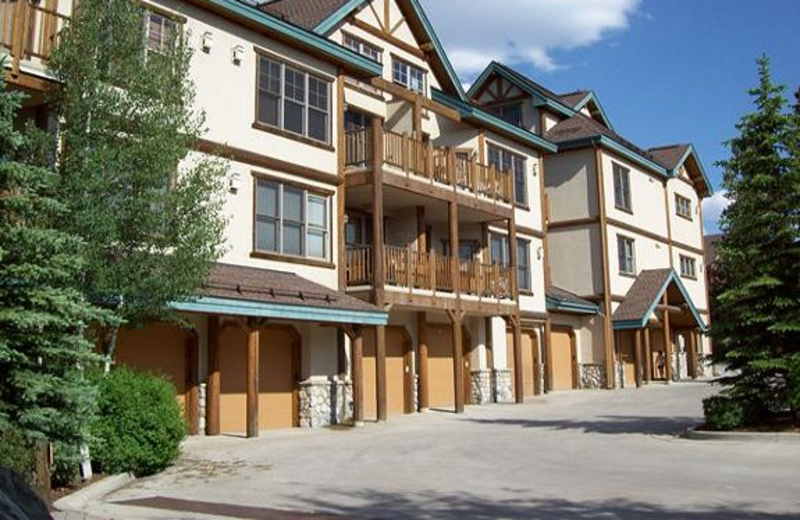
x: 28, y: 35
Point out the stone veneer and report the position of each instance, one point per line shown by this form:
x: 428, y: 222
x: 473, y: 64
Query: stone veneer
x: 592, y: 376
x: 502, y: 385
x: 325, y: 403
x: 201, y: 409
x: 481, y: 388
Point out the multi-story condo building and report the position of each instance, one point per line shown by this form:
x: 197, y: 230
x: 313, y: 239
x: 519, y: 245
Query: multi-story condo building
x: 624, y: 240
x: 387, y: 246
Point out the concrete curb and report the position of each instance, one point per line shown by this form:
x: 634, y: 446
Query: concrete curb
x: 93, y: 493
x: 754, y: 437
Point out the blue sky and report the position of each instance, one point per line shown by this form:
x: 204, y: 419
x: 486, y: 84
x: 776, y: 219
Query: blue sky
x: 665, y: 71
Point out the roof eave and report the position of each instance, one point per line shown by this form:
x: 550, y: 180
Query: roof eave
x: 329, y: 24
x: 601, y: 140
x: 558, y: 305
x: 591, y: 96
x: 676, y: 170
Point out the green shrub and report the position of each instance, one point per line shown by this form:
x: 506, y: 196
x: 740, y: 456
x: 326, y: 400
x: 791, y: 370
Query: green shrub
x: 724, y: 412
x: 66, y: 469
x: 17, y: 453
x: 140, y: 427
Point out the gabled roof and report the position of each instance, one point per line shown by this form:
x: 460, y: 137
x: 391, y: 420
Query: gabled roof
x: 579, y: 131
x: 590, y: 101
x: 469, y: 111
x: 305, y: 13
x: 572, y: 99
x: 672, y: 157
x: 559, y: 299
x: 645, y: 294
x: 330, y: 14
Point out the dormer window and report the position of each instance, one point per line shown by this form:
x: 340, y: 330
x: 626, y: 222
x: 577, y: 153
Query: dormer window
x: 363, y: 48
x: 408, y: 75
x: 509, y: 113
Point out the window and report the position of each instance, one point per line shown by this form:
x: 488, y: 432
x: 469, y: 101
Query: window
x: 293, y: 100
x: 688, y: 267
x: 291, y: 221
x: 358, y: 230
x: 683, y: 206
x: 504, y: 160
x: 161, y: 32
x: 627, y: 255
x: 363, y: 48
x: 524, y: 265
x: 622, y: 188
x: 499, y: 251
x: 509, y: 113
x: 408, y: 75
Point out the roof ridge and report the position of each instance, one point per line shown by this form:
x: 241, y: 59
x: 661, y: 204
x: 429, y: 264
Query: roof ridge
x: 668, y: 146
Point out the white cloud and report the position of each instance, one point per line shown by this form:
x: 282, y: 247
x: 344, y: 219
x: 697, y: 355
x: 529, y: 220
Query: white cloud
x: 712, y: 210
x: 475, y: 32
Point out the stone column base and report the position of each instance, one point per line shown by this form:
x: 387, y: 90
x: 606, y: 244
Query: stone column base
x: 502, y: 385
x: 481, y: 388
x: 325, y: 403
x: 592, y: 376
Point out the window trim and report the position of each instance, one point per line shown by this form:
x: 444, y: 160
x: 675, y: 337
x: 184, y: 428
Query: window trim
x: 525, y: 291
x: 692, y: 261
x: 308, y: 190
x: 680, y: 198
x: 362, y: 42
x: 524, y: 204
x: 499, y: 108
x: 396, y: 59
x: 620, y: 239
x: 615, y: 166
x: 280, y: 129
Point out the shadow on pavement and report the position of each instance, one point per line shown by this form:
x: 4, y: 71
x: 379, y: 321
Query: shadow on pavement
x: 609, y: 424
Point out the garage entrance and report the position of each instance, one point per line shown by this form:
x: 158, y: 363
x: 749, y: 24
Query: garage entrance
x: 399, y: 396
x: 563, y: 358
x: 530, y: 359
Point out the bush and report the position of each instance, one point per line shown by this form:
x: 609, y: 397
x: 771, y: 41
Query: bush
x: 17, y: 453
x: 724, y: 412
x: 140, y: 427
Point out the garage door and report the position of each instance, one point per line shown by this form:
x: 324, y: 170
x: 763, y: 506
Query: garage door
x: 440, y: 366
x: 396, y: 367
x: 158, y: 349
x: 562, y: 360
x: 529, y: 356
x: 278, y: 370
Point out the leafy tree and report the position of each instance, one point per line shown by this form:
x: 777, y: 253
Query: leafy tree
x: 757, y: 323
x: 44, y: 350
x: 147, y: 207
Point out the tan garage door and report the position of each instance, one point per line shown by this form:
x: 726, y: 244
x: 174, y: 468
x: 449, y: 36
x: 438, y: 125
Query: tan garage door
x: 440, y: 366
x: 396, y: 366
x: 562, y: 360
x: 278, y: 370
x: 529, y: 357
x: 158, y: 349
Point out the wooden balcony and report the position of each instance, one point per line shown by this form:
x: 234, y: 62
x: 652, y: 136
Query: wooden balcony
x: 407, y: 268
x: 28, y: 33
x: 425, y: 162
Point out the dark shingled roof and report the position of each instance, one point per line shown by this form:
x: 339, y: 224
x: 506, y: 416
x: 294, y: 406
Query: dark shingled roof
x: 563, y: 296
x: 573, y: 98
x: 641, y: 295
x: 305, y: 13
x: 580, y: 126
x: 265, y: 285
x: 669, y: 156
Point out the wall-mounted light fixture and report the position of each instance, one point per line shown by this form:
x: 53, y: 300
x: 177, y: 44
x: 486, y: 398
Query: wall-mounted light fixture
x: 237, y: 54
x: 207, y: 42
x: 234, y: 182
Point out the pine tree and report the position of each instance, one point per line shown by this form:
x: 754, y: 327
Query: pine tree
x: 44, y: 353
x: 757, y: 321
x: 148, y: 209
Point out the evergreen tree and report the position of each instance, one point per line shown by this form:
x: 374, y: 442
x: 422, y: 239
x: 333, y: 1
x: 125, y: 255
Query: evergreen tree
x: 757, y: 321
x: 148, y: 208
x: 43, y: 316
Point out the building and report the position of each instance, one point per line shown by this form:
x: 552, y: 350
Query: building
x: 388, y: 246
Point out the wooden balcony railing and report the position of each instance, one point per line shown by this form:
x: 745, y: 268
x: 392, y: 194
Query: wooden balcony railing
x: 435, y: 164
x: 408, y: 268
x: 28, y: 31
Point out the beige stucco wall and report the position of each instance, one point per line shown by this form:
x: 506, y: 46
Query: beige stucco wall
x: 571, y: 185
x: 685, y: 231
x: 575, y: 259
x: 649, y: 254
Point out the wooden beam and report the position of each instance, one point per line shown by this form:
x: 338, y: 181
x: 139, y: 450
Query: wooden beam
x: 458, y: 360
x: 422, y: 343
x: 637, y: 354
x: 648, y: 356
x: 358, y: 375
x: 253, y: 347
x: 407, y: 95
x: 213, y: 378
x: 519, y: 381
x: 192, y: 396
x: 667, y: 340
x: 380, y: 371
x: 692, y: 354
x: 488, y: 334
x: 548, y: 356
x: 377, y: 211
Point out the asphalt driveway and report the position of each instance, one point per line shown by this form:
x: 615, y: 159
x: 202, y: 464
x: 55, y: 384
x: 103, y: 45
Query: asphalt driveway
x: 576, y: 455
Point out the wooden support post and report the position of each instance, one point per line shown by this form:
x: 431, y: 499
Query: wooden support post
x: 458, y: 360
x: 667, y: 340
x: 422, y: 343
x: 378, y: 274
x: 253, y: 345
x: 417, y: 118
x: 358, y: 374
x: 213, y: 378
x: 637, y: 353
x: 454, y: 239
x: 648, y: 357
x: 380, y: 371
x: 519, y: 382
x: 548, y: 355
x: 488, y: 333
x: 692, y: 354
x: 192, y: 396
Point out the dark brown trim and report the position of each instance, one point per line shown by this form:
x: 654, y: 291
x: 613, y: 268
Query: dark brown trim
x: 263, y: 255
x: 608, y: 334
x: 576, y: 222
x: 289, y: 182
x: 172, y: 15
x: 264, y: 127
x: 529, y: 232
x: 652, y: 236
x: 263, y: 161
x: 387, y: 38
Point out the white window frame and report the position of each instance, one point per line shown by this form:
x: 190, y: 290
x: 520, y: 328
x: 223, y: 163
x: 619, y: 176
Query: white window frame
x: 622, y: 188
x: 402, y: 75
x: 683, y: 206
x: 627, y: 262
x: 688, y: 267
x: 166, y: 24
x: 366, y: 49
x: 307, y: 106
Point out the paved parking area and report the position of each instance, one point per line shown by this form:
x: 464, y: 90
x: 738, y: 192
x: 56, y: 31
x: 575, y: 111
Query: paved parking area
x: 575, y: 455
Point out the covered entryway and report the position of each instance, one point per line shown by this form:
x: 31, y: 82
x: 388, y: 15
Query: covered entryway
x: 563, y: 359
x: 399, y: 399
x: 530, y: 360
x: 278, y: 374
x: 627, y: 356
x: 160, y: 349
